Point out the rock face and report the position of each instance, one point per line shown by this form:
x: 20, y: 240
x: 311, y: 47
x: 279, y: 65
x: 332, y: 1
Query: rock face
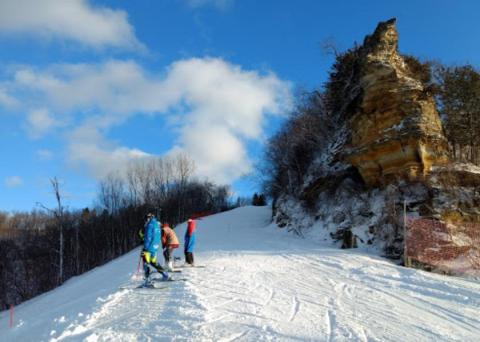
x: 388, y: 164
x: 396, y: 131
x: 396, y: 137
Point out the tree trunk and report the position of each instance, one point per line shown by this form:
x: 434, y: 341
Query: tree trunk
x: 59, y: 216
x: 77, y: 250
x: 60, y: 263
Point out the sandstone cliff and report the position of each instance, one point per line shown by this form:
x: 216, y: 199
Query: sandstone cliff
x: 388, y: 154
x: 396, y: 131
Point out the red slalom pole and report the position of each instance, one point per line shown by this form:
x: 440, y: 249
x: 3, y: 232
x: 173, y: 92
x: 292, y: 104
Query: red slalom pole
x: 10, y: 324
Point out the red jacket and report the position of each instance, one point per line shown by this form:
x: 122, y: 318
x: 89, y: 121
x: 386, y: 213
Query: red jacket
x: 190, y: 227
x: 169, y: 238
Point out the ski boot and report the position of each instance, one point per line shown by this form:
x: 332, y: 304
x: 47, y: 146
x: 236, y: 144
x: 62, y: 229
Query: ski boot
x: 166, y: 276
x: 147, y: 282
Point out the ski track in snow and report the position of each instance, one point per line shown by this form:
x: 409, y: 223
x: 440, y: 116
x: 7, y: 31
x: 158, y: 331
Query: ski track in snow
x: 259, y: 284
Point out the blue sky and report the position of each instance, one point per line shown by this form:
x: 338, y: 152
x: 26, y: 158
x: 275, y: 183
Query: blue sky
x: 88, y: 86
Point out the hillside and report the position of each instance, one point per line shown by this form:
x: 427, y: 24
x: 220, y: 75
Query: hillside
x: 260, y: 284
x: 383, y: 158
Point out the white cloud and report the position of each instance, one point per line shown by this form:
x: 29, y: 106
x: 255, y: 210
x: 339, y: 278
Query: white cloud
x: 89, y: 149
x: 40, y: 122
x: 220, y: 4
x: 6, y: 100
x: 218, y: 153
x: 218, y: 107
x: 74, y: 20
x: 44, y: 154
x: 228, y: 107
x: 13, y: 181
x: 121, y: 87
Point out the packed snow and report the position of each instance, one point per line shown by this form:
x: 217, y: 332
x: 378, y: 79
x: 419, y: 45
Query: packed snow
x: 260, y: 283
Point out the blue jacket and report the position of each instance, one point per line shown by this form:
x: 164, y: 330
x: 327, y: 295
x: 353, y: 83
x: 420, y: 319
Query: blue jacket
x: 190, y: 237
x: 151, y: 240
x: 189, y: 242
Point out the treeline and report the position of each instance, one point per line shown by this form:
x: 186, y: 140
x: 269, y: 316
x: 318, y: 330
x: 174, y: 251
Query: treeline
x: 163, y: 185
x: 456, y: 90
x: 41, y: 249
x: 317, y: 119
x: 32, y: 261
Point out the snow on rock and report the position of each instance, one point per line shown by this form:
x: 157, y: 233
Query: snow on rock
x: 261, y: 283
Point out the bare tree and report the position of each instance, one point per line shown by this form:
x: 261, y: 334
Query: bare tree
x: 133, y: 185
x: 329, y: 46
x: 111, y: 192
x: 459, y: 104
x: 58, y: 213
x: 184, y: 168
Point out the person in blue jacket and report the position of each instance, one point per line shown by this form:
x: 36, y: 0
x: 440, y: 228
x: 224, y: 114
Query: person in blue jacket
x: 151, y: 242
x: 189, y: 242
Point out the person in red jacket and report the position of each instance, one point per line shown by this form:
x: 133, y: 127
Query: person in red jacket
x: 189, y: 242
x: 169, y: 243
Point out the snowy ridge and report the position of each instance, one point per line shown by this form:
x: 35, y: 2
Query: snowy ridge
x: 260, y: 284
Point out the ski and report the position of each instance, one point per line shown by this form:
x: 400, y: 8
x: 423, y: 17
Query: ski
x: 167, y: 271
x: 160, y: 280
x: 188, y: 266
x: 156, y: 283
x: 142, y: 286
x: 150, y: 286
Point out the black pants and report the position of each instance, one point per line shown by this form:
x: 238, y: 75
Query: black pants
x: 189, y: 258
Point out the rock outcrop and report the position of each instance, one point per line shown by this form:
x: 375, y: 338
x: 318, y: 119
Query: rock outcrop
x: 396, y: 132
x: 389, y: 154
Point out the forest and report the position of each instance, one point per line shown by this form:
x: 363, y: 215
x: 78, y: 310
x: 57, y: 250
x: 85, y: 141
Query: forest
x: 41, y: 249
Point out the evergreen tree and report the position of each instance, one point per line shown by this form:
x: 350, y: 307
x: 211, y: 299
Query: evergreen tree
x: 255, y: 199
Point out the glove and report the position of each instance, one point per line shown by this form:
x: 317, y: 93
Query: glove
x: 140, y: 234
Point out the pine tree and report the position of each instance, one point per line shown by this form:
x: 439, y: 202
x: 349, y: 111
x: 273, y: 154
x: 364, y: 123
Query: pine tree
x: 255, y: 199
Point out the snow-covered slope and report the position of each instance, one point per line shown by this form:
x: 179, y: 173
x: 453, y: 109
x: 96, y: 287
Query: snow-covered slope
x: 260, y: 284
